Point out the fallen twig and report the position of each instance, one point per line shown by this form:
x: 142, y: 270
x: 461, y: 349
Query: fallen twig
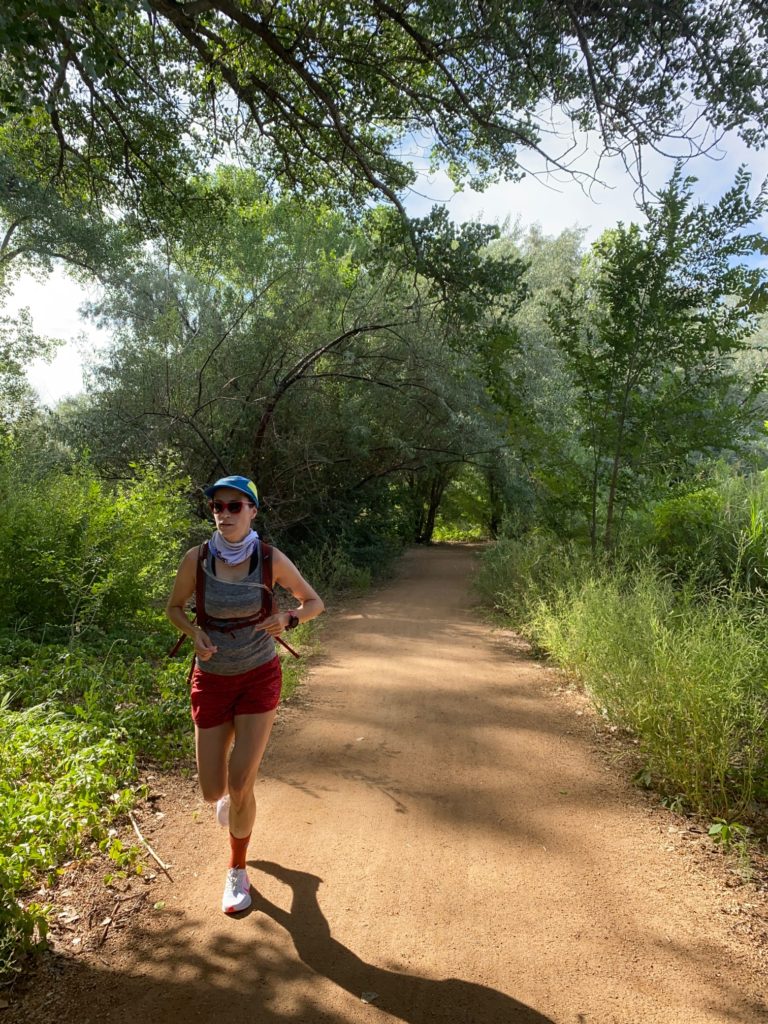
x: 154, y: 856
x: 108, y: 924
x: 136, y: 896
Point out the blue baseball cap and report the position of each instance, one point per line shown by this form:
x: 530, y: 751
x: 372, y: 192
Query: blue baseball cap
x: 237, y: 483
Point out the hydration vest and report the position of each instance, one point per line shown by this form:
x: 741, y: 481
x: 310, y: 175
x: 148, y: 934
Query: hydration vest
x: 267, y: 607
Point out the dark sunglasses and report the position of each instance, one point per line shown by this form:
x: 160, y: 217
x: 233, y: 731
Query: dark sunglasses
x: 235, y: 507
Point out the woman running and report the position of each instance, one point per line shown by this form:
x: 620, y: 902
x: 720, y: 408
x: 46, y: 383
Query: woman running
x: 236, y: 679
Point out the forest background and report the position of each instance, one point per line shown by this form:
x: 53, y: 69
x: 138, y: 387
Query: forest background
x: 229, y: 179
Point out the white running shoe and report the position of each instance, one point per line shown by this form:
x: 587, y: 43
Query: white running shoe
x: 237, y: 891
x: 222, y: 811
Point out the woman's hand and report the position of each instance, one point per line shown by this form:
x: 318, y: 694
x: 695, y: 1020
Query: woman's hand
x: 204, y: 649
x: 275, y: 624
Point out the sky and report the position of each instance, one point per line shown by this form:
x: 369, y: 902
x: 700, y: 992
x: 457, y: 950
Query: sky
x: 54, y: 305
x: 553, y: 204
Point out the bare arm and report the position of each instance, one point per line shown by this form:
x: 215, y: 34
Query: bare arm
x: 288, y: 576
x: 183, y: 589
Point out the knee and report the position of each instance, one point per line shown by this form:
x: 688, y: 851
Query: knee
x: 211, y: 791
x: 240, y: 789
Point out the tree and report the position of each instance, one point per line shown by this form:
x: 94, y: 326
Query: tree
x: 46, y: 220
x: 19, y: 345
x: 649, y: 331
x: 534, y: 391
x: 286, y: 341
x: 320, y: 95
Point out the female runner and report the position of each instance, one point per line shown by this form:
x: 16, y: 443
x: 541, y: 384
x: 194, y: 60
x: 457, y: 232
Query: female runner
x: 235, y: 695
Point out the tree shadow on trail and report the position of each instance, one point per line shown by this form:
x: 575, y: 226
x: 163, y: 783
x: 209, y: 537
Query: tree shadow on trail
x: 406, y: 997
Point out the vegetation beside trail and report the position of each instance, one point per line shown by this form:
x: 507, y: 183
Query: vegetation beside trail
x: 668, y: 638
x: 88, y: 698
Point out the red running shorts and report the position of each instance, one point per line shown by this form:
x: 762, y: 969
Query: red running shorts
x: 217, y: 699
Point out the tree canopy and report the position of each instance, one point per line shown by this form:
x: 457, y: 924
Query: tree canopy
x: 650, y: 329
x: 288, y: 340
x: 239, y: 299
x: 328, y: 98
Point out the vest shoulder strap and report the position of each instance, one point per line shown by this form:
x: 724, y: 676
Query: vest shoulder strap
x: 200, y: 615
x: 254, y: 560
x: 266, y: 576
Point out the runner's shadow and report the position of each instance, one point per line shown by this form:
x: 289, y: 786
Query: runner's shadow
x: 410, y: 998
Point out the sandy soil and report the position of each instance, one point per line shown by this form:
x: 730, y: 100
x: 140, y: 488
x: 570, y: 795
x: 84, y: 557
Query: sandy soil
x: 438, y: 840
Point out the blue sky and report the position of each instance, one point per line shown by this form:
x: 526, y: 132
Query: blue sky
x: 552, y: 203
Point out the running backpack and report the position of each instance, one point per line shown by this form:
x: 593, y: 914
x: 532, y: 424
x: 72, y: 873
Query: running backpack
x: 267, y: 607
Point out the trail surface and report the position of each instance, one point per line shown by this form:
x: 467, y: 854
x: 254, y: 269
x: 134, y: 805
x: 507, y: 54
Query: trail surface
x: 436, y: 834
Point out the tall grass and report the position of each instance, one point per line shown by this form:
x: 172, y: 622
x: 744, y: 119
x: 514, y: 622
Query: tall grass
x: 687, y: 673
x: 515, y: 575
x: 716, y: 536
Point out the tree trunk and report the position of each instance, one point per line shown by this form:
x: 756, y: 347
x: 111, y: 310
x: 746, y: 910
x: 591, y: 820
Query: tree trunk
x: 494, y: 505
x: 593, y: 510
x: 437, y: 487
x: 608, y: 535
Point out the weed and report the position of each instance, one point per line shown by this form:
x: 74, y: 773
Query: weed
x: 734, y: 837
x: 72, y: 724
x: 675, y: 803
x: 728, y: 834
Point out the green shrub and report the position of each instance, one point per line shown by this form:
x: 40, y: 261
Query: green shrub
x: 73, y: 722
x: 685, y: 672
x: 22, y: 928
x: 689, y: 535
x: 92, y: 554
x: 61, y: 783
x: 716, y: 536
x: 330, y: 569
x: 142, y: 694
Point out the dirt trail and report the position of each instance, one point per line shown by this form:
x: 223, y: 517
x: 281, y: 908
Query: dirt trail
x: 434, y: 828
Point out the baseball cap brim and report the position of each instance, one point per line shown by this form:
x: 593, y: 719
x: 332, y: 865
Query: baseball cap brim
x: 236, y: 483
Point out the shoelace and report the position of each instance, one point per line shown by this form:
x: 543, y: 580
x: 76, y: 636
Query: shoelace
x: 233, y: 878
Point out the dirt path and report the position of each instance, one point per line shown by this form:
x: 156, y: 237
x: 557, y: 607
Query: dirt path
x: 434, y: 828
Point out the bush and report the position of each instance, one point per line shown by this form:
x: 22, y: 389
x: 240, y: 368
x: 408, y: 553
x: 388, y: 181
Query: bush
x: 716, y: 536
x: 330, y: 569
x: 689, y: 536
x: 685, y: 672
x: 92, y: 555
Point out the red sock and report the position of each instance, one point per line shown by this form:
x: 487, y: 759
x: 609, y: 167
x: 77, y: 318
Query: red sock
x: 239, y: 849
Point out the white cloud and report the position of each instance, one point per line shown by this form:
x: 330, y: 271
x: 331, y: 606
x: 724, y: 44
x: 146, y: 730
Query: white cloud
x: 558, y: 201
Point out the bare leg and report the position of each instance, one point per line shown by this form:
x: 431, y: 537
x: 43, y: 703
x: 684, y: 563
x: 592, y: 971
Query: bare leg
x: 251, y: 737
x: 211, y: 748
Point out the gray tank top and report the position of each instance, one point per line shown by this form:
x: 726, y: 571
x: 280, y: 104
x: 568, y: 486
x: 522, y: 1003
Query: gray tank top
x: 239, y: 650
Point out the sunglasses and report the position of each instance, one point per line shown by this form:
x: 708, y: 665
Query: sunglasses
x: 235, y: 507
